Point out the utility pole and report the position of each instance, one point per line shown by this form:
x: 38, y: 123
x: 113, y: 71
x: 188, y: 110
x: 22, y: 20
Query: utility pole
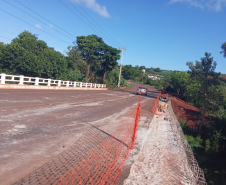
x: 119, y: 78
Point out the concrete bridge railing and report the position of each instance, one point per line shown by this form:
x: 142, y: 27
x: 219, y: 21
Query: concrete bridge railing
x: 25, y: 80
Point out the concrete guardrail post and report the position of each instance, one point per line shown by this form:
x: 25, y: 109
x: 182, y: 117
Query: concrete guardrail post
x: 59, y: 82
x: 21, y: 80
x: 49, y: 80
x: 2, y: 78
x: 37, y: 81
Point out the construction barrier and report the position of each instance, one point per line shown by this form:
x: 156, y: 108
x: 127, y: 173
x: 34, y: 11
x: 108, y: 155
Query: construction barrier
x: 154, y: 110
x: 105, y: 163
x: 97, y: 157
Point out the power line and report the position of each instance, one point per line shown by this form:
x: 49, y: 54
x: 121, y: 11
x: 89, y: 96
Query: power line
x: 80, y: 18
x: 93, y: 24
x: 5, y: 38
x: 96, y: 22
x: 44, y: 18
x: 34, y: 26
x: 37, y: 19
x: 115, y: 42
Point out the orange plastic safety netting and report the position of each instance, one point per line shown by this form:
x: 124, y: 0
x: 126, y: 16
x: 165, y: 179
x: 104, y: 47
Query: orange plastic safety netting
x: 97, y: 157
x: 154, y: 110
x: 105, y: 163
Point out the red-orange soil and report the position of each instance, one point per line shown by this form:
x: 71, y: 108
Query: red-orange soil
x: 186, y: 112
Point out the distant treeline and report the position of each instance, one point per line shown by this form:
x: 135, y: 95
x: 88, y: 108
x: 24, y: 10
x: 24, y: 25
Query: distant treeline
x: 89, y: 59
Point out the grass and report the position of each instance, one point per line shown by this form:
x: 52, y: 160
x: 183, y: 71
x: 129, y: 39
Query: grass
x: 129, y: 85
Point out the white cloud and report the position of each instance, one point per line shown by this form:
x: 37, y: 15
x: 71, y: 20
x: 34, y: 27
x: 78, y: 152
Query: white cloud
x: 92, y: 4
x: 50, y: 25
x: 38, y: 26
x: 216, y: 5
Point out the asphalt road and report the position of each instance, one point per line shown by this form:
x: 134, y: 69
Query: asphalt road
x: 36, y: 126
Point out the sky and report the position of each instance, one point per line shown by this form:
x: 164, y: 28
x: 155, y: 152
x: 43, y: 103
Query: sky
x: 164, y: 33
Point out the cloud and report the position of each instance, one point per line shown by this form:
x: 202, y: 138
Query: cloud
x: 92, y: 4
x: 38, y: 26
x: 216, y: 5
x: 25, y: 29
x: 50, y: 25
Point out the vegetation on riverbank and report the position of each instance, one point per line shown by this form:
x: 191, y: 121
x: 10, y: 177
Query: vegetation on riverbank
x: 205, y: 89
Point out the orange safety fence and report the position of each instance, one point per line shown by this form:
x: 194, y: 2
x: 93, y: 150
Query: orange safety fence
x: 154, y: 110
x: 105, y: 163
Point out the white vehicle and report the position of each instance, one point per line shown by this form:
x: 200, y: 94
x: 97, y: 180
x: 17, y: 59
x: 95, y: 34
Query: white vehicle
x: 142, y: 90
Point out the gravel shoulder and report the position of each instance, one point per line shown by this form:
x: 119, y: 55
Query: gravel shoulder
x: 161, y: 158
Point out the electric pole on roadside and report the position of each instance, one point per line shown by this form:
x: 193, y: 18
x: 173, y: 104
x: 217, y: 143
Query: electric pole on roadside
x: 119, y: 78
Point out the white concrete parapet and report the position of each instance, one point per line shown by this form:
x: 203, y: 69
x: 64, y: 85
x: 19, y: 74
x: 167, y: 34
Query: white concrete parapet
x: 24, y: 80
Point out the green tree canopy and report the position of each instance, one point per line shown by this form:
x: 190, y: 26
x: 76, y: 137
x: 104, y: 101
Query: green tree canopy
x: 223, y: 47
x: 180, y: 81
x: 204, y: 73
x: 132, y: 73
x: 75, y: 59
x: 26, y: 55
x: 109, y: 59
x: 88, y: 59
x: 89, y: 46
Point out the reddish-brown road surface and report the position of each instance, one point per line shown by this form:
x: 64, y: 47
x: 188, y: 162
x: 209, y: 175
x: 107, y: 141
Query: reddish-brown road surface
x: 40, y: 126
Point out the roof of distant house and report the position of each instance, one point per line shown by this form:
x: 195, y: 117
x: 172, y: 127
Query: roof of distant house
x: 156, y: 75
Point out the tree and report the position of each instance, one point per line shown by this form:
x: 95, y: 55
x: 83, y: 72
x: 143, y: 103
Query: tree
x: 157, y: 69
x: 204, y: 73
x: 223, y: 47
x: 141, y: 67
x: 75, y: 58
x: 89, y: 46
x: 26, y: 55
x: 132, y: 73
x: 112, y: 78
x: 109, y: 59
x: 179, y: 81
x: 2, y: 53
